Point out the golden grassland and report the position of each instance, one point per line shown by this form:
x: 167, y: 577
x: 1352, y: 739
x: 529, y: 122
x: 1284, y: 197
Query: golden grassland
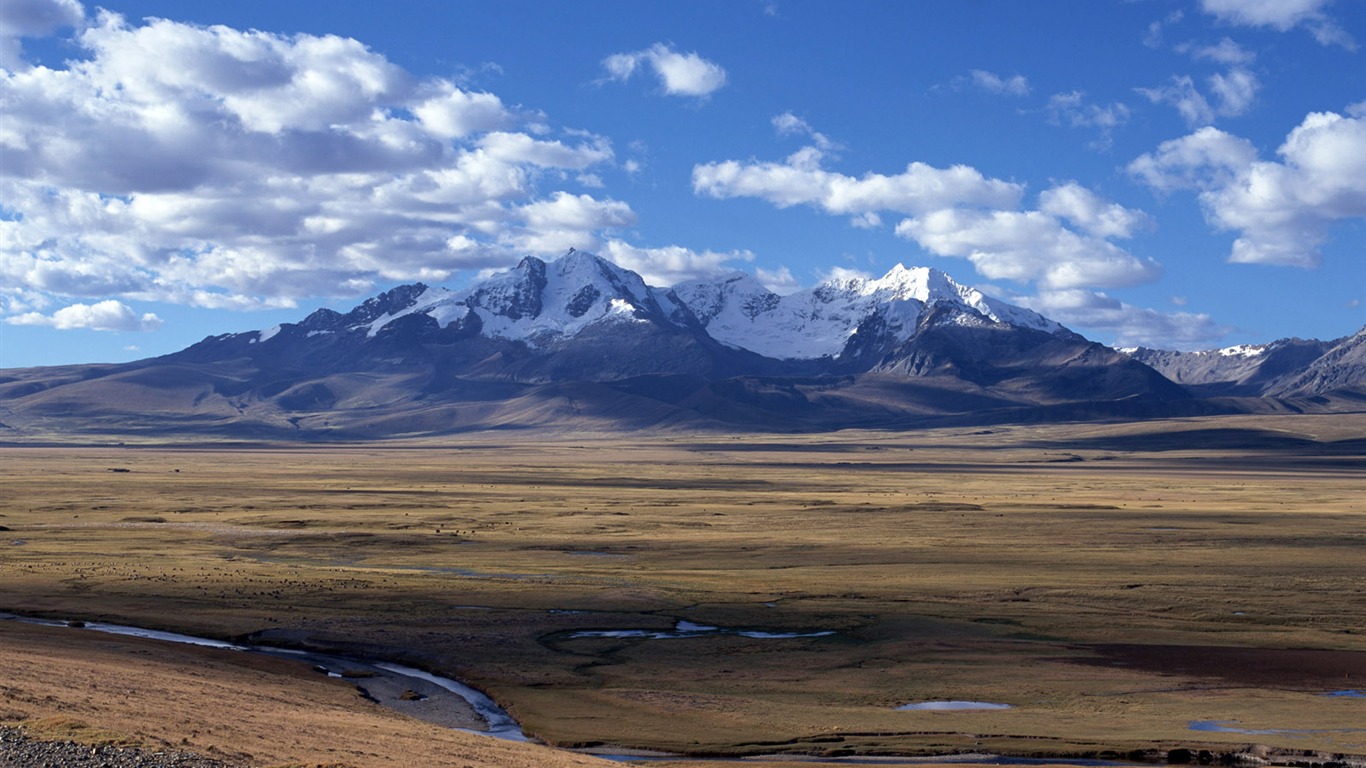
x: 1100, y: 579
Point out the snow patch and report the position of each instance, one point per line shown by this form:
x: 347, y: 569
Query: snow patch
x: 1243, y: 350
x: 268, y: 333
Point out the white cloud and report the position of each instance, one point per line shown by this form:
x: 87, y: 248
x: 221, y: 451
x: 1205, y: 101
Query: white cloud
x: 1090, y: 212
x: 519, y: 148
x: 1282, y: 210
x: 788, y: 124
x: 800, y: 180
x: 1027, y: 246
x: 239, y: 169
x: 33, y: 18
x: 680, y: 74
x: 451, y: 113
x: 108, y: 315
x: 1224, y: 52
x: 957, y: 212
x: 1282, y: 15
x: 1073, y: 110
x: 672, y: 264
x: 1209, y: 157
x: 1125, y: 324
x: 569, y: 221
x: 1015, y: 85
x: 37, y: 18
x: 866, y: 220
x: 1235, y: 90
x: 843, y: 275
x: 780, y: 280
x: 1180, y: 92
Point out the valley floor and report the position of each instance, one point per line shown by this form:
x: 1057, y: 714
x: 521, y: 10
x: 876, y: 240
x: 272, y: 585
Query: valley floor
x: 1123, y: 588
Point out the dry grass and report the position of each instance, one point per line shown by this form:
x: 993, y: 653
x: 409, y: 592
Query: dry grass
x: 969, y: 564
x: 237, y: 707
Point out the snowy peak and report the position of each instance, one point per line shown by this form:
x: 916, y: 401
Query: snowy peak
x: 739, y: 290
x: 819, y: 322
x: 542, y: 303
x: 535, y: 302
x: 539, y: 301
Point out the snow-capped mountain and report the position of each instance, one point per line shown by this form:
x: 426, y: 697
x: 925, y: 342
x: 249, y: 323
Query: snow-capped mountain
x: 536, y: 303
x: 542, y: 304
x: 820, y: 322
x: 581, y: 340
x: 539, y: 302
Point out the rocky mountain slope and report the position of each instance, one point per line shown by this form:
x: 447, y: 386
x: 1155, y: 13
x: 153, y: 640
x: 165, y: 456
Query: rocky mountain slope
x: 1282, y: 368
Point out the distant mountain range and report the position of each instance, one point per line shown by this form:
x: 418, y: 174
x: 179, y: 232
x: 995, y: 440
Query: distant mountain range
x: 580, y: 343
x: 1283, y: 368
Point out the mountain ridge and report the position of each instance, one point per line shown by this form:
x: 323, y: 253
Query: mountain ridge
x: 1288, y: 367
x: 579, y: 342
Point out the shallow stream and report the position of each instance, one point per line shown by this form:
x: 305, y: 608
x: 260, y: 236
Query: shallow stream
x: 468, y: 709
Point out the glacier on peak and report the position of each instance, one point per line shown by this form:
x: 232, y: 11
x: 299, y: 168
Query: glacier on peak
x: 539, y: 302
x: 817, y: 322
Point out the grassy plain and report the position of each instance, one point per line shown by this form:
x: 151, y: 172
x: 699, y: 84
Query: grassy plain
x: 1112, y: 583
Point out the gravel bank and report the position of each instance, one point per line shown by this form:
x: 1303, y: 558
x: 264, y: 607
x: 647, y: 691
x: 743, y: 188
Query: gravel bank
x: 19, y: 751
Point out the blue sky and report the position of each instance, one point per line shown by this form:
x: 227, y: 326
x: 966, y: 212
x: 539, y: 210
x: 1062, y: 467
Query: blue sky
x: 1172, y: 174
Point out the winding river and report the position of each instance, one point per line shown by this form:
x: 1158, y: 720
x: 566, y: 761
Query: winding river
x: 380, y: 681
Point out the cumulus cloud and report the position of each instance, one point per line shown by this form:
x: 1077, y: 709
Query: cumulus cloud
x: 1235, y: 90
x: 570, y: 221
x: 679, y: 74
x: 1027, y: 246
x: 1088, y: 211
x: 1127, y: 325
x: 36, y: 18
x: 1282, y: 210
x: 780, y: 280
x: 1282, y: 15
x: 108, y: 315
x: 238, y: 169
x: 521, y: 149
x: 673, y: 264
x: 451, y: 113
x: 1207, y: 158
x: 1015, y: 85
x: 801, y: 181
x: 788, y: 124
x: 1224, y: 52
x: 957, y: 212
x: 33, y: 18
x: 1072, y: 109
x: 1232, y: 92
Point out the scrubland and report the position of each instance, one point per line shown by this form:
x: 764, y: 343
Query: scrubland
x: 1114, y: 584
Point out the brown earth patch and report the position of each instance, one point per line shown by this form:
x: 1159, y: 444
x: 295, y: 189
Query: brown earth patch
x: 1296, y: 669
